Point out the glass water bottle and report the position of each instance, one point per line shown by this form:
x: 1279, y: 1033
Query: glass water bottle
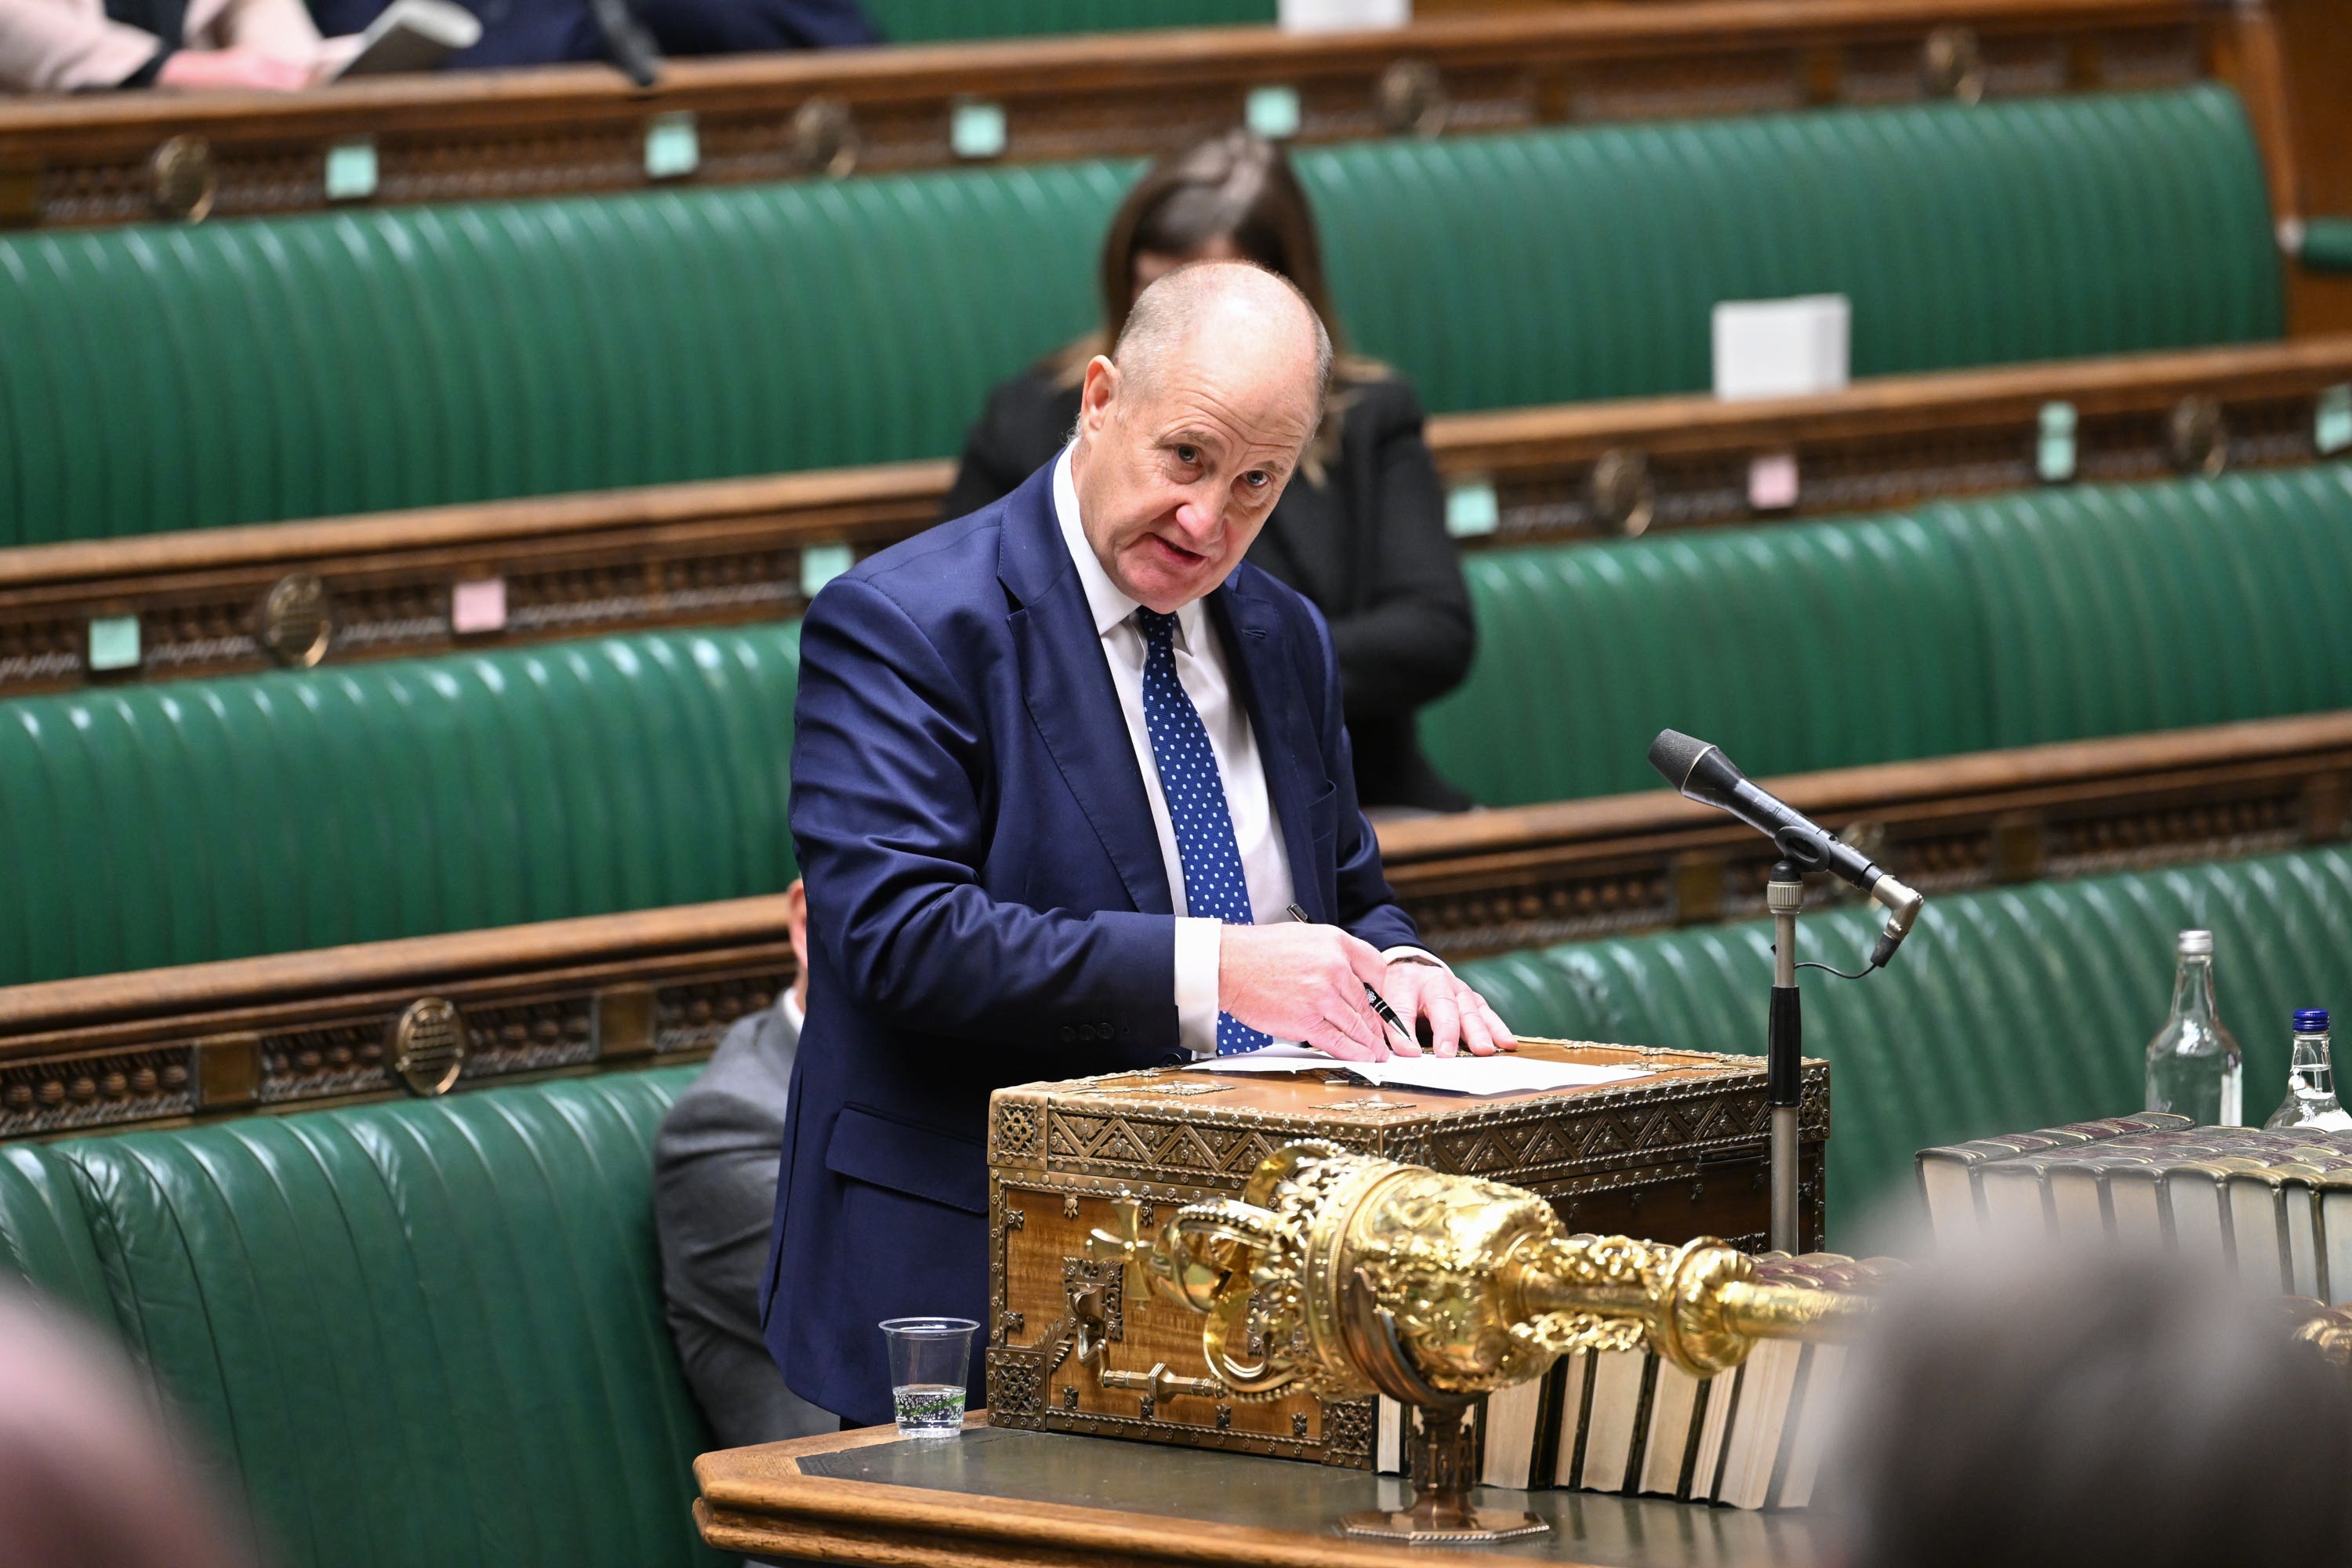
x: 2194, y: 1067
x: 2311, y: 1079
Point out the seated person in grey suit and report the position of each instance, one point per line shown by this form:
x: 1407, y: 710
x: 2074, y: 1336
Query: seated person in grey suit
x: 714, y: 1199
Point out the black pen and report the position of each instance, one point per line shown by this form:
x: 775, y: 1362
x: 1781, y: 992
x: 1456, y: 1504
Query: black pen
x: 1379, y: 1004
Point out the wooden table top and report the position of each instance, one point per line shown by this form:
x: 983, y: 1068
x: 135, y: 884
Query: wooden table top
x: 995, y: 1496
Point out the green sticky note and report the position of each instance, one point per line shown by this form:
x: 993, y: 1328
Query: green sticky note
x: 113, y: 642
x: 1470, y: 510
x: 2331, y: 420
x: 820, y: 564
x: 2053, y: 450
x: 976, y: 130
x: 673, y: 149
x: 1271, y: 113
x: 350, y: 171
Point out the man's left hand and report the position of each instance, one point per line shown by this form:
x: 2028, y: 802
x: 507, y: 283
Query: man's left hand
x: 1459, y: 1018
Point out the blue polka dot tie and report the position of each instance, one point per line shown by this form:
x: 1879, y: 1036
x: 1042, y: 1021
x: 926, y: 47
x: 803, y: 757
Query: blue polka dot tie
x: 1213, y: 884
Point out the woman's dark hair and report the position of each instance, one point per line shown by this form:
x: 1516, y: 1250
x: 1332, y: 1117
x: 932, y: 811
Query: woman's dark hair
x: 1237, y: 187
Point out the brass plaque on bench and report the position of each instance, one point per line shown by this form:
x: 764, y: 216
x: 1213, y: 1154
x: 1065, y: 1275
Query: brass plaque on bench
x: 1675, y: 1153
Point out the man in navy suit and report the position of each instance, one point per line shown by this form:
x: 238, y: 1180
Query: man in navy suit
x: 1060, y: 767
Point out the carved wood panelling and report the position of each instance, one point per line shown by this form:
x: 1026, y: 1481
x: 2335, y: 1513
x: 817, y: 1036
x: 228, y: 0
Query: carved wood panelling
x: 284, y: 1032
x: 665, y: 985
x: 1531, y: 876
x: 734, y: 549
x: 567, y: 130
x: 75, y: 1090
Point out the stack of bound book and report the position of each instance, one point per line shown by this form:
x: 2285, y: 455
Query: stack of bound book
x: 1633, y: 1423
x: 2275, y: 1206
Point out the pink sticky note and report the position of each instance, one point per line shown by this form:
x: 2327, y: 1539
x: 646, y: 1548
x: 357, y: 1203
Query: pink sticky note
x: 1772, y: 481
x: 479, y: 607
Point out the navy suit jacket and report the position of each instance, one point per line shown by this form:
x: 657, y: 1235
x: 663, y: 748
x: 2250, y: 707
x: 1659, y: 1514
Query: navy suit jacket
x: 987, y: 901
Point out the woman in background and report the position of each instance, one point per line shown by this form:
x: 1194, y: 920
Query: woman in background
x: 1360, y: 529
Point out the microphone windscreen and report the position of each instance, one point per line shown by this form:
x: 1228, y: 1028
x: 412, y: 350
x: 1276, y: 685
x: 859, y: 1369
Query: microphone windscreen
x: 1673, y: 753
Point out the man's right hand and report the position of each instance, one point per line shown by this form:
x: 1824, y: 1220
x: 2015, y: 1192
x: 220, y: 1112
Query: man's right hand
x: 1303, y: 983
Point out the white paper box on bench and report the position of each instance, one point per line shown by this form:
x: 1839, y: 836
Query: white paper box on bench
x: 1337, y: 15
x: 1781, y: 348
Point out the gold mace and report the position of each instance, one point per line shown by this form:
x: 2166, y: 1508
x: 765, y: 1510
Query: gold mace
x: 1358, y: 1274
x: 1342, y: 1275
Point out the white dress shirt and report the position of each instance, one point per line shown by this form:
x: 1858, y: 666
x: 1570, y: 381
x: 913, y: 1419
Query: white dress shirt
x: 1200, y: 668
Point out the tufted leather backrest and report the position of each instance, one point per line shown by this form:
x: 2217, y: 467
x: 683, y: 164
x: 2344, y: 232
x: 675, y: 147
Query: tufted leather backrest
x: 44, y: 1235
x: 177, y: 822
x: 2050, y: 615
x: 1812, y: 646
x: 1507, y: 270
x: 424, y: 1336
x: 154, y: 379
x: 2007, y: 1009
x: 2118, y: 609
x: 171, y: 824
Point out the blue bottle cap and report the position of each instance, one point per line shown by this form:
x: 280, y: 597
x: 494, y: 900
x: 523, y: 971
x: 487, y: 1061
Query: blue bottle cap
x: 2311, y: 1020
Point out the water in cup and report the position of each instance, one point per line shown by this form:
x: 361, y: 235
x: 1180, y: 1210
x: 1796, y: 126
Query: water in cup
x: 930, y: 1363
x: 928, y: 1409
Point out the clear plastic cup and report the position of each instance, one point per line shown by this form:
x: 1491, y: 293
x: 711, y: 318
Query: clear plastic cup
x: 931, y: 1361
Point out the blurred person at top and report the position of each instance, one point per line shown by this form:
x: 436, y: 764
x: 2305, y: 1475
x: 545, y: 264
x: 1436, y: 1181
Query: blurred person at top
x: 78, y: 46
x: 552, y: 32
x: 1360, y: 531
x: 88, y: 1476
x: 2036, y: 1410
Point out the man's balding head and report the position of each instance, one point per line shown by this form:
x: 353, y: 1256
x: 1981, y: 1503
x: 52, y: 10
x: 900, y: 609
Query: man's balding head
x: 1189, y: 430
x: 1223, y: 304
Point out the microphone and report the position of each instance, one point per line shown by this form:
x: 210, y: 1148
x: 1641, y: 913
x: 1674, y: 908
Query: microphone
x: 625, y: 38
x: 1703, y: 774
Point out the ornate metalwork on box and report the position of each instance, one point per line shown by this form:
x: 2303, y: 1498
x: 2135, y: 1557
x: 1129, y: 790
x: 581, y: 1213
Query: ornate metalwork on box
x: 1678, y: 1153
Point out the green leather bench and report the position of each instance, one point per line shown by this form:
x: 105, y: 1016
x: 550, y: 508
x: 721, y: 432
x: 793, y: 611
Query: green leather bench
x: 150, y: 826
x: 2044, y: 616
x: 155, y: 379
x: 177, y: 822
x: 423, y: 1335
x: 2007, y: 1009
x: 933, y: 21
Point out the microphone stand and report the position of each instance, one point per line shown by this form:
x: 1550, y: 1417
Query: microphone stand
x: 1784, y: 1060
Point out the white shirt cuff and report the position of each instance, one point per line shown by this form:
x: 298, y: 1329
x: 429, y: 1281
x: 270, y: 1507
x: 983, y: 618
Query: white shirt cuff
x: 1196, y: 984
x: 1391, y: 954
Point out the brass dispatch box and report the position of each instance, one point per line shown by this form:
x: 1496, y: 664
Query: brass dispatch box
x: 1676, y: 1153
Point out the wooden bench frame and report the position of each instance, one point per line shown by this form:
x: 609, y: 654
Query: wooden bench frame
x: 119, y: 158
x: 309, y: 1029
x: 303, y: 1030
x: 1494, y: 881
x: 239, y: 599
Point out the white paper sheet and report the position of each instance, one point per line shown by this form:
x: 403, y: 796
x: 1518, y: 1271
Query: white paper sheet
x: 1501, y: 1074
x: 1277, y: 1057
x: 1493, y: 1075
